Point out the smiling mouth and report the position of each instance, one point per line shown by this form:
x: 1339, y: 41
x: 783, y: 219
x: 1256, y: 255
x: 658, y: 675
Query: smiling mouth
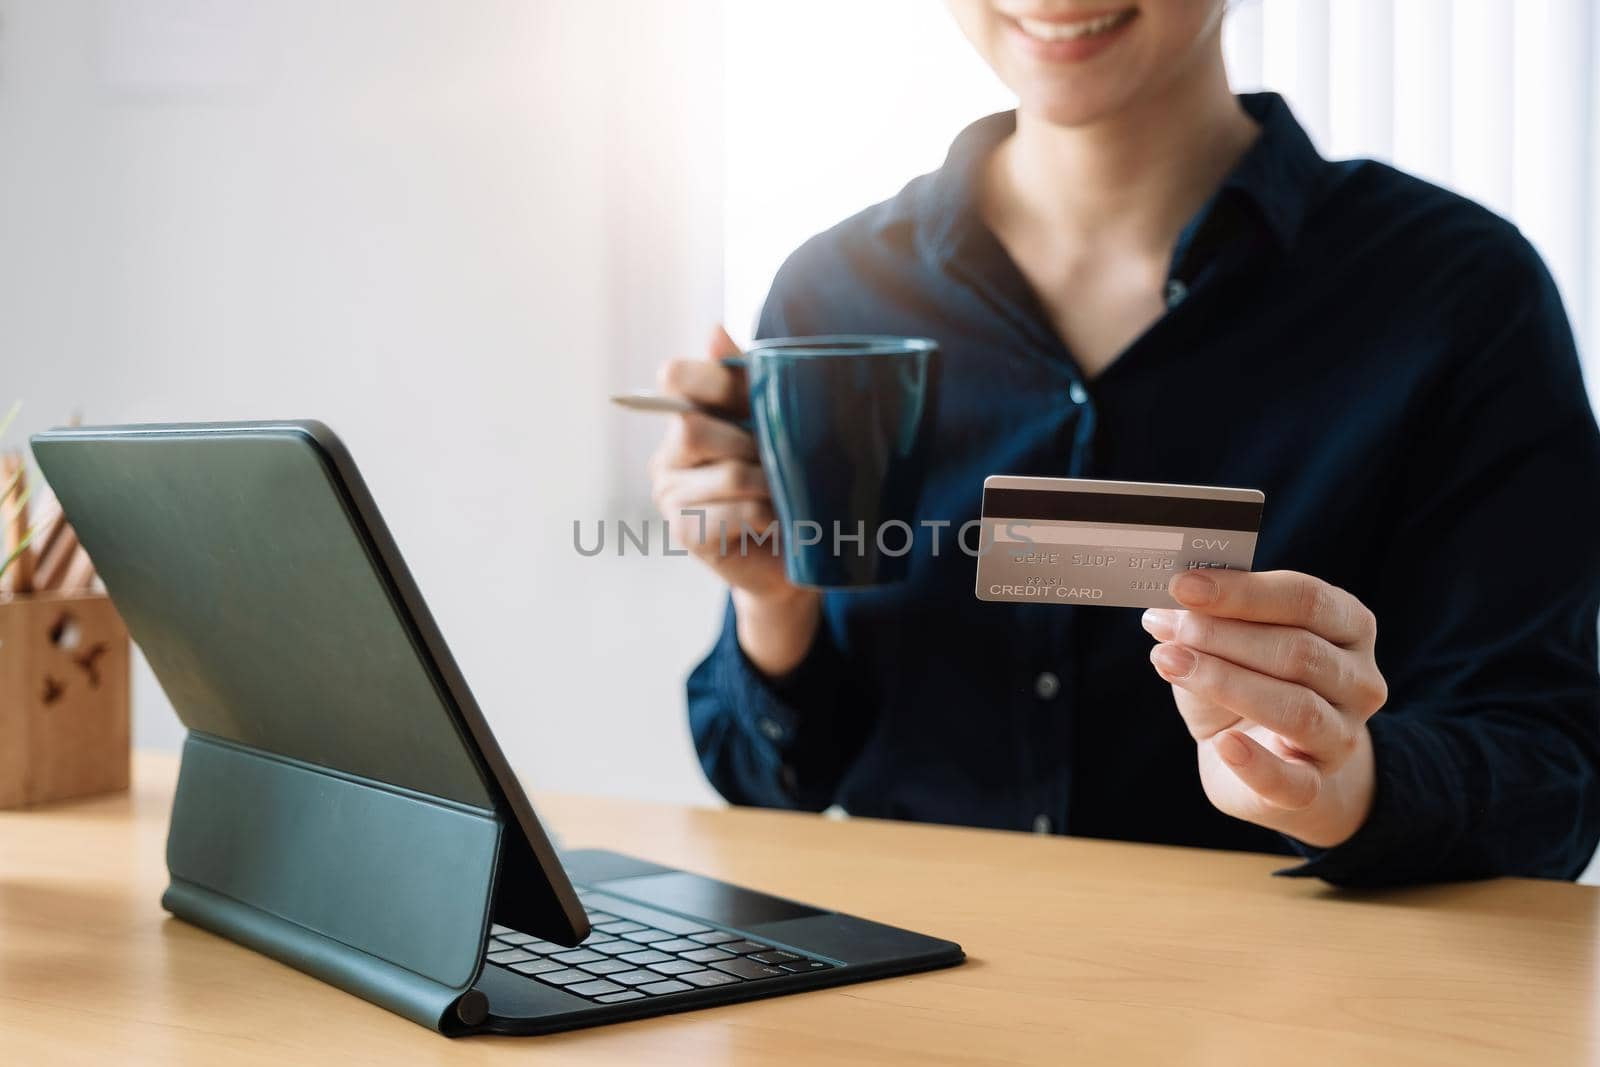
x: 1049, y: 31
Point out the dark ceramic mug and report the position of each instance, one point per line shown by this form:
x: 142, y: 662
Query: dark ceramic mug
x: 843, y: 426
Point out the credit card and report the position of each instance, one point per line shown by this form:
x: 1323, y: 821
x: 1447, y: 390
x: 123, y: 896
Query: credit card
x: 1111, y: 544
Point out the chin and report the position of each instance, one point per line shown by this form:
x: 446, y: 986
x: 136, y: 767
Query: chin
x: 1077, y: 62
x: 1069, y: 105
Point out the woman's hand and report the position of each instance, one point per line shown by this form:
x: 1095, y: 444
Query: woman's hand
x: 1275, y: 676
x: 708, y: 484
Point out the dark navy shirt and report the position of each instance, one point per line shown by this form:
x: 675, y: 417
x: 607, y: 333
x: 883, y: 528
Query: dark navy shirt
x: 1389, y: 362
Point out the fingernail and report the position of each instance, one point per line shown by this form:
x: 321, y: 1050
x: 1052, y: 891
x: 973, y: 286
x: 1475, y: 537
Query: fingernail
x: 1232, y: 749
x: 1192, y: 587
x: 1174, y: 661
x: 1160, y: 623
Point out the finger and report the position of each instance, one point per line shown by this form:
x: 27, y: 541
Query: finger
x: 721, y: 344
x: 693, y: 440
x: 1204, y: 718
x: 744, y: 526
x: 1286, y: 598
x: 710, y: 385
x: 713, y: 483
x: 1289, y: 784
x: 1347, y: 680
x: 1301, y: 717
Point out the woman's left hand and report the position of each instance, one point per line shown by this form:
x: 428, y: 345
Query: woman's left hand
x: 1275, y: 676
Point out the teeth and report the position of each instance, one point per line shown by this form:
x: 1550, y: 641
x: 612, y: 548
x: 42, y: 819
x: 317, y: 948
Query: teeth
x: 1043, y: 30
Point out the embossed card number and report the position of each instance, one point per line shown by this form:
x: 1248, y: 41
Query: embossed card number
x: 1111, y: 544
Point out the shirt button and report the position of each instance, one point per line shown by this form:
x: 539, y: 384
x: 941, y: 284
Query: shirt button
x: 1041, y: 824
x: 1046, y: 686
x: 771, y: 730
x: 1078, y: 393
x: 1176, y: 293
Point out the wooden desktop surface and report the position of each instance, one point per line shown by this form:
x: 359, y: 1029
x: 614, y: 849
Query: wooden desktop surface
x: 1081, y: 952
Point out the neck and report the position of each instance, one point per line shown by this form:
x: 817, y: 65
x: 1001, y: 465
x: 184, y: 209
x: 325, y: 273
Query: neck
x: 1134, y: 177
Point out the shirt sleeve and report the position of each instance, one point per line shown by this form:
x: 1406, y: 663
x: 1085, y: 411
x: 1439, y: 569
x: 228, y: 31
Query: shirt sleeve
x: 783, y: 743
x: 1488, y: 752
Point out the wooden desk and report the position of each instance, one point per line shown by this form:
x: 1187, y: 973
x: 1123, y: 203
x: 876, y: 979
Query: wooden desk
x: 1081, y: 952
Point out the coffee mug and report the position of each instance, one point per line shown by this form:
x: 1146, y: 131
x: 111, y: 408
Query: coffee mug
x: 843, y: 426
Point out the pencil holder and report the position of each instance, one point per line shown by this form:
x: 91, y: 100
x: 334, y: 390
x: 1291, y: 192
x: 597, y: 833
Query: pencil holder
x: 63, y: 698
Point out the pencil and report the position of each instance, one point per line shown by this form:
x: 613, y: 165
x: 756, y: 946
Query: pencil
x: 80, y: 575
x: 54, y: 561
x: 15, y: 475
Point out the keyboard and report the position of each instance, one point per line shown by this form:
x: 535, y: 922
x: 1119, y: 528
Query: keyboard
x: 635, y: 952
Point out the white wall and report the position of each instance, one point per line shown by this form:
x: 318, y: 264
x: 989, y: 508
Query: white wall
x: 392, y: 216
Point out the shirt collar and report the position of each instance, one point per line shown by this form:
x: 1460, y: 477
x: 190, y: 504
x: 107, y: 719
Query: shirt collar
x: 1279, y: 175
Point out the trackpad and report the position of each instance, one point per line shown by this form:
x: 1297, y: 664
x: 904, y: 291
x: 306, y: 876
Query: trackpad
x: 704, y: 898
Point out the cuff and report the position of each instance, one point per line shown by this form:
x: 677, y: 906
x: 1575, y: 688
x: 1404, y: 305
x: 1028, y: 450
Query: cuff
x: 1409, y: 827
x: 772, y: 711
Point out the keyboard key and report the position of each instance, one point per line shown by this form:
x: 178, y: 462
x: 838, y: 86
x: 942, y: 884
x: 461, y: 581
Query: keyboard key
x: 577, y: 955
x: 772, y: 959
x: 620, y: 926
x: 656, y: 989
x: 617, y: 998
x: 510, y: 955
x: 804, y: 966
x: 743, y: 948
x: 538, y: 967
x: 645, y: 937
x: 596, y: 988
x: 497, y: 930
x: 675, y: 967
x: 748, y: 969
x: 544, y: 948
x: 616, y: 948
x: 497, y: 945
x: 706, y: 979
x: 606, y: 966
x: 649, y: 955
x: 714, y: 937
x: 634, y: 977
x: 515, y: 938
x: 598, y: 917
x: 662, y: 920
x: 707, y: 955
x: 564, y: 977
x: 677, y: 944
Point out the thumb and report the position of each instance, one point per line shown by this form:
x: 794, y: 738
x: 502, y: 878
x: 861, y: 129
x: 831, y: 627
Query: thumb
x: 720, y: 344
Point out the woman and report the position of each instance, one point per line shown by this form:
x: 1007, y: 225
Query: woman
x: 1139, y: 276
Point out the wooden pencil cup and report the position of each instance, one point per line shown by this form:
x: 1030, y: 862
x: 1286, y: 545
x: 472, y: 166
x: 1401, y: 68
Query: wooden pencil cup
x: 63, y: 698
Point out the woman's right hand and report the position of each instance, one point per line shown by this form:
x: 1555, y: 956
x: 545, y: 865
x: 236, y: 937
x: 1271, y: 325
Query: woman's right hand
x: 708, y: 484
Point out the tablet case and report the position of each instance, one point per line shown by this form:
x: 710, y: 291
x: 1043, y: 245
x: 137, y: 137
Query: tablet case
x: 384, y: 894
x: 344, y: 817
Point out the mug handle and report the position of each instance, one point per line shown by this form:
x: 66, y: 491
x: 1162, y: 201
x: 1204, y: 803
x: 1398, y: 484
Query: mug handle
x: 674, y: 405
x: 738, y: 362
